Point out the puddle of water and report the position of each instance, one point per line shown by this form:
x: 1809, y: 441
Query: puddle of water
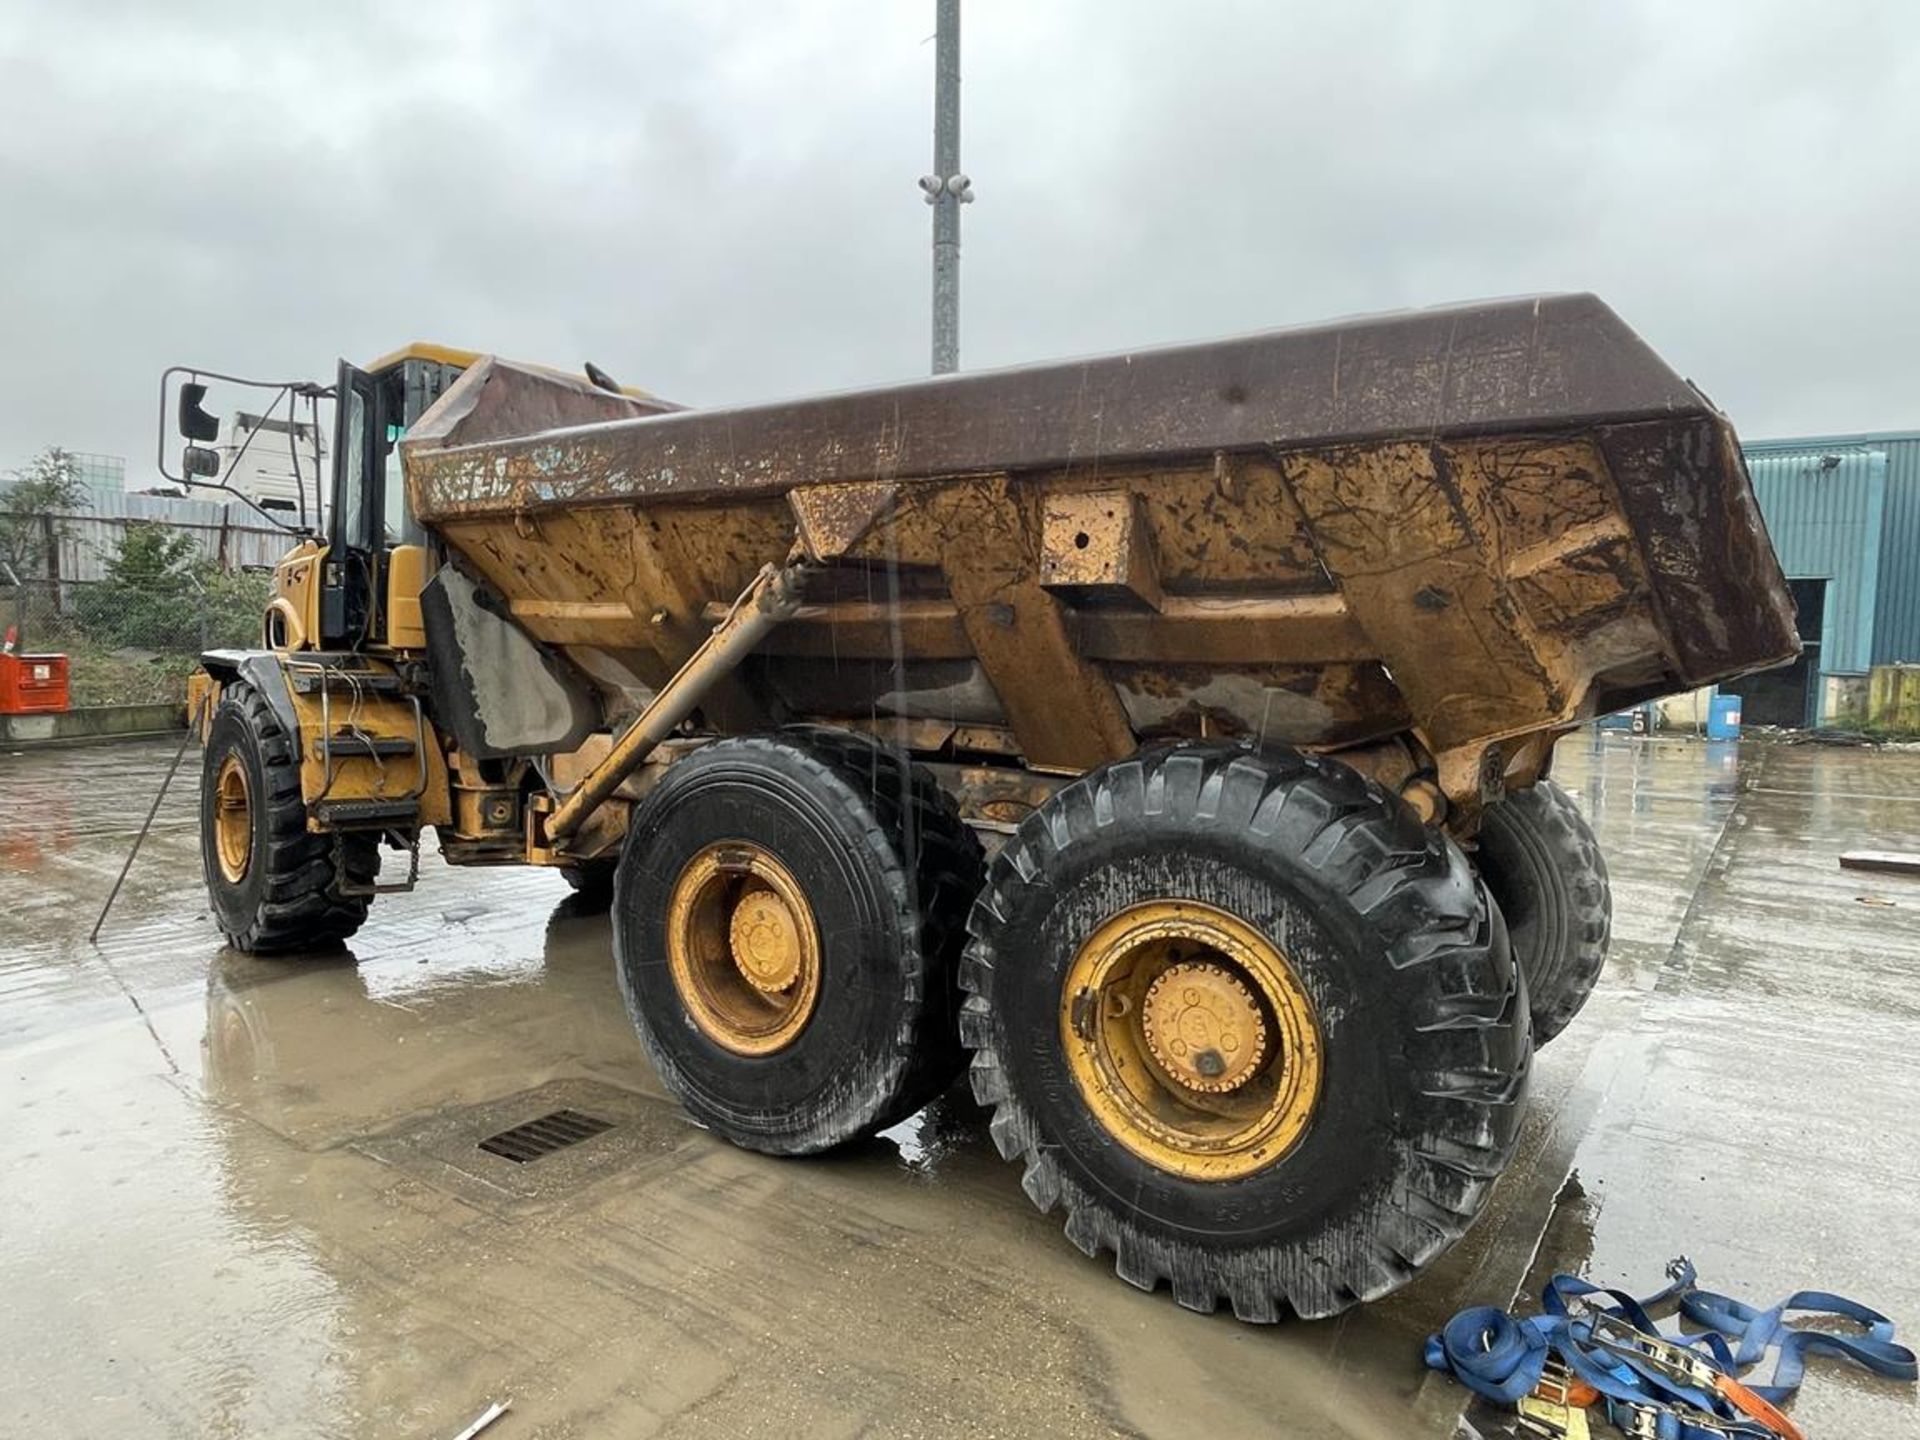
x: 209, y: 1253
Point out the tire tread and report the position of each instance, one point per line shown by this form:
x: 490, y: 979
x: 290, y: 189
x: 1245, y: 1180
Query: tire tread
x: 1360, y: 844
x: 929, y: 865
x: 300, y: 907
x: 1545, y: 823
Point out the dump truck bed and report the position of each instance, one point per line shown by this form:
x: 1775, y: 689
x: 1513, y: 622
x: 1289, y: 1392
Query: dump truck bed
x: 1471, y: 525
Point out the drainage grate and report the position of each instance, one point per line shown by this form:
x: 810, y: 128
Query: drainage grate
x: 542, y: 1137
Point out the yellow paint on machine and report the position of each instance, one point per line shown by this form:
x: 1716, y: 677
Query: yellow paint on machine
x: 326, y: 774
x: 406, y: 578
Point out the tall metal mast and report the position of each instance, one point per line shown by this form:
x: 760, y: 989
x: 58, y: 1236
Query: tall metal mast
x: 946, y: 189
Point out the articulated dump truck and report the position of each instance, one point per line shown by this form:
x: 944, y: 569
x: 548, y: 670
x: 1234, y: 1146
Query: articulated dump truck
x: 1165, y: 735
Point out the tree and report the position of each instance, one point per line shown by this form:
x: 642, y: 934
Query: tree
x: 151, y: 596
x: 153, y: 557
x: 161, y: 593
x: 35, y: 502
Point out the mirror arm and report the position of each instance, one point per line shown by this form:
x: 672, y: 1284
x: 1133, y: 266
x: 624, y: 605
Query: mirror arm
x: 308, y: 388
x: 290, y: 389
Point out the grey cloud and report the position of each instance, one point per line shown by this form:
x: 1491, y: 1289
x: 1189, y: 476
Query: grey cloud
x: 716, y: 200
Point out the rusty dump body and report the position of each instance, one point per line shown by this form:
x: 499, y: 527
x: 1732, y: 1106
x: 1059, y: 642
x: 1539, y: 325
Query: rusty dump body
x: 1430, y: 541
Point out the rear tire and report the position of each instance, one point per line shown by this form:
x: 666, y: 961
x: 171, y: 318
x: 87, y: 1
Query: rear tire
x: 1542, y: 864
x: 853, y: 1024
x: 1402, y: 963
x: 274, y: 886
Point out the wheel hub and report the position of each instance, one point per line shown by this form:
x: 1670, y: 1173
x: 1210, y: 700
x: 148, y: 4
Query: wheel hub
x: 1204, y: 1028
x: 743, y: 948
x: 233, y: 820
x: 765, y: 940
x: 1192, y: 1039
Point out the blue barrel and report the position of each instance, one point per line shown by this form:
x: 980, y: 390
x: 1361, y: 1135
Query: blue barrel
x: 1723, y: 717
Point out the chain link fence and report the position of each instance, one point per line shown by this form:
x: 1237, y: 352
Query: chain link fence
x: 133, y: 643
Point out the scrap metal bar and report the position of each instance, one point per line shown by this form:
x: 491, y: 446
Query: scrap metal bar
x: 492, y: 1413
x: 1886, y: 862
x: 193, y: 728
x: 772, y: 598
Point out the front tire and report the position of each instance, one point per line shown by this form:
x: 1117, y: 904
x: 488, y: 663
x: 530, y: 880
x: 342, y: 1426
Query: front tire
x: 1355, y: 1034
x: 788, y: 918
x: 274, y: 886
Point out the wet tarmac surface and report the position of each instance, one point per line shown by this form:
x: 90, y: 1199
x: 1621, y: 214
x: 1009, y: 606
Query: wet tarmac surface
x: 245, y: 1197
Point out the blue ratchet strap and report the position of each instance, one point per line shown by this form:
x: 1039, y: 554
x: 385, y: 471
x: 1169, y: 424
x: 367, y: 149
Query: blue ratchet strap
x: 1755, y: 1331
x: 1629, y: 1383
x: 1494, y: 1355
x: 1564, y: 1293
x: 1598, y: 1331
x: 1501, y: 1359
x: 1619, y: 1372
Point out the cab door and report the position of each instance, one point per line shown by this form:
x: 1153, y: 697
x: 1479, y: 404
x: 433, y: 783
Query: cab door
x: 347, y: 599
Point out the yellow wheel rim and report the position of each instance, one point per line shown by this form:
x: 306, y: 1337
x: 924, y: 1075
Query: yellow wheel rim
x: 233, y: 819
x: 1192, y: 1040
x: 743, y: 948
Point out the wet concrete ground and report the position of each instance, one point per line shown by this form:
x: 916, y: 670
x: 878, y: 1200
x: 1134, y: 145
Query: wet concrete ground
x: 243, y: 1197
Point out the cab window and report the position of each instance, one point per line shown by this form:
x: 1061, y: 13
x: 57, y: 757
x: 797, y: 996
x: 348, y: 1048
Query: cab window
x: 355, y: 531
x: 397, y: 522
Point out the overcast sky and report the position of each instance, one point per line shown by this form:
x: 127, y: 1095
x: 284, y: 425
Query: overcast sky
x: 717, y: 200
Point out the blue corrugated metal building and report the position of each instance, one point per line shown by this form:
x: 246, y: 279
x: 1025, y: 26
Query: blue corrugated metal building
x: 1844, y: 514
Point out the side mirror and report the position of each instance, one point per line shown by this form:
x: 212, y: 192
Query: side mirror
x: 198, y: 460
x: 196, y: 423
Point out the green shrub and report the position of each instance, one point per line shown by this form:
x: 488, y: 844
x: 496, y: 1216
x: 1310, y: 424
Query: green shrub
x: 161, y: 594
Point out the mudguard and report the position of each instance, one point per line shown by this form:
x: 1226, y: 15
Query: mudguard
x: 497, y: 689
x: 262, y: 670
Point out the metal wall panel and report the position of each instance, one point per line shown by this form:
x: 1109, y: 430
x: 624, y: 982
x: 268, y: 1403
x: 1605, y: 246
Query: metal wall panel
x: 1896, y: 612
x: 233, y: 534
x: 1896, y: 619
x: 1824, y: 506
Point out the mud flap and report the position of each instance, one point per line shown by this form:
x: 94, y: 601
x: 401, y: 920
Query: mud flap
x: 263, y: 671
x: 497, y: 689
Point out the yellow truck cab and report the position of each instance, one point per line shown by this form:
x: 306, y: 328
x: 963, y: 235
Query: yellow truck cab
x: 327, y: 747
